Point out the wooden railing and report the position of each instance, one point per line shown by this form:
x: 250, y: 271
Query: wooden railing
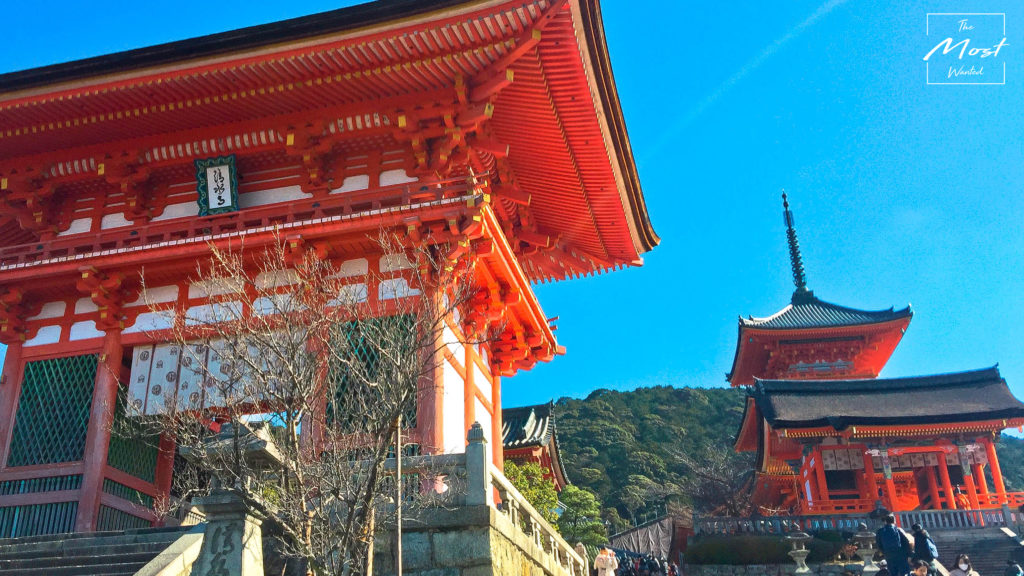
x: 178, y: 229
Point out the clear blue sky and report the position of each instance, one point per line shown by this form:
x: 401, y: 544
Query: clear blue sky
x: 903, y: 192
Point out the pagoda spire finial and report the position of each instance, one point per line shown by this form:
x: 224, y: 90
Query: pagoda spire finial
x: 799, y: 277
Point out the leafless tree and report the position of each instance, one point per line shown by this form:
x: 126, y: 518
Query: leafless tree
x: 331, y: 360
x: 718, y: 481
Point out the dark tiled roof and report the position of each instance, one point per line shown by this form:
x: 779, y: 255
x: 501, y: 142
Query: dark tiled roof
x: 957, y: 397
x: 810, y: 312
x: 527, y: 425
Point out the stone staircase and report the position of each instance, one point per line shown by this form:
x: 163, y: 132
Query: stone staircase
x: 91, y: 554
x: 988, y: 548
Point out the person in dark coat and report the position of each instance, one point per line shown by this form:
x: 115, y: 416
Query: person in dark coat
x: 924, y: 548
x: 895, y: 545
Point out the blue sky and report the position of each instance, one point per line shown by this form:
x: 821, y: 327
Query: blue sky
x: 903, y: 192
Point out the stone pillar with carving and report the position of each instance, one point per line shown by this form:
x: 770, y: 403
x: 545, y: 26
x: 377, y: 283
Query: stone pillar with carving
x: 233, y: 541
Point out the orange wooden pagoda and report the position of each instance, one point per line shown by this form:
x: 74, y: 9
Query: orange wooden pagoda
x: 491, y: 124
x: 832, y: 438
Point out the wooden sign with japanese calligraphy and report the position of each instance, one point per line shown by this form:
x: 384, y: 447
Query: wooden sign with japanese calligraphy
x: 217, y: 184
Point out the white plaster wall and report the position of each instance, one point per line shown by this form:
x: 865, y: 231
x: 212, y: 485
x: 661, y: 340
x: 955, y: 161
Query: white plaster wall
x: 116, y: 220
x: 77, y: 226
x: 482, y: 382
x: 50, y: 310
x: 180, y: 210
x: 158, y: 295
x: 210, y: 313
x: 353, y: 183
x: 454, y: 406
x: 85, y: 305
x: 46, y: 335
x: 454, y: 345
x: 354, y: 267
x: 395, y: 288
x: 396, y: 176
x: 150, y: 322
x: 484, y: 418
x: 272, y: 196
x: 84, y: 330
x: 392, y: 262
x: 277, y: 278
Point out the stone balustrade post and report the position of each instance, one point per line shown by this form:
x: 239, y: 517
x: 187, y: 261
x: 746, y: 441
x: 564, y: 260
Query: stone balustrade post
x: 233, y: 542
x: 582, y: 552
x: 478, y: 474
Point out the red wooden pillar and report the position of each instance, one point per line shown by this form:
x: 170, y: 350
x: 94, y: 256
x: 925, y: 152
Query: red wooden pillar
x: 469, y: 390
x: 496, y: 423
x: 164, y: 469
x: 933, y: 487
x: 997, y: 473
x: 10, y: 383
x: 890, y: 486
x: 819, y: 475
x: 979, y: 480
x: 947, y: 486
x: 97, y: 437
x: 972, y: 491
x: 869, y: 475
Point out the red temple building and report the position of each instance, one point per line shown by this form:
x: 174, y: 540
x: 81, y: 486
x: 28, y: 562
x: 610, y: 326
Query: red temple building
x: 529, y: 434
x: 492, y: 125
x: 831, y: 437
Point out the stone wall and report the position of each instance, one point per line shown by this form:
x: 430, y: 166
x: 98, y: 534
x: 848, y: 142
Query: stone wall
x: 468, y: 541
x: 769, y: 569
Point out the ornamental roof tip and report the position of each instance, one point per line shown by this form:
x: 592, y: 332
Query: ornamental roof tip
x: 808, y: 311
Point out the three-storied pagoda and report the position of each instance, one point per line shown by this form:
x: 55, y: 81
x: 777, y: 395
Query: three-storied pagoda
x: 832, y: 437
x: 493, y: 125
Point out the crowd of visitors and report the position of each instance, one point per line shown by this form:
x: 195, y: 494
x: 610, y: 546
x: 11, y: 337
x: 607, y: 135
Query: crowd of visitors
x: 918, y: 555
x: 610, y: 563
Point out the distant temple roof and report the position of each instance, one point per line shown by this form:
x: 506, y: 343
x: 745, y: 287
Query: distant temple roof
x: 956, y: 397
x: 810, y: 312
x: 527, y: 426
x: 528, y: 434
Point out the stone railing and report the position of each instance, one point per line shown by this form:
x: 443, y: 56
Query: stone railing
x: 957, y: 519
x: 485, y: 482
x: 779, y: 524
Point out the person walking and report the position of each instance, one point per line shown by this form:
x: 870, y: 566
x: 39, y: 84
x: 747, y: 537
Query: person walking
x: 895, y: 545
x: 606, y: 563
x: 924, y: 548
x: 963, y: 567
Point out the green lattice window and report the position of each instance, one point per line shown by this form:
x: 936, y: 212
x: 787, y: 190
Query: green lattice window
x: 362, y: 343
x: 37, y: 519
x: 114, y: 519
x: 132, y: 450
x: 53, y: 411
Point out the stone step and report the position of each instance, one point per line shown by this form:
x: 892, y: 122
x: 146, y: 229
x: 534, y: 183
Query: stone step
x: 83, y: 559
x: 55, y: 543
x: 120, y: 569
x: 66, y: 537
x: 85, y: 554
x: 109, y: 549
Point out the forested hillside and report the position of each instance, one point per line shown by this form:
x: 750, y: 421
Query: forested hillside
x: 626, y: 446
x: 631, y: 448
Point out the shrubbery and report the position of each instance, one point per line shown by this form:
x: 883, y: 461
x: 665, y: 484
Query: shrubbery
x: 737, y: 549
